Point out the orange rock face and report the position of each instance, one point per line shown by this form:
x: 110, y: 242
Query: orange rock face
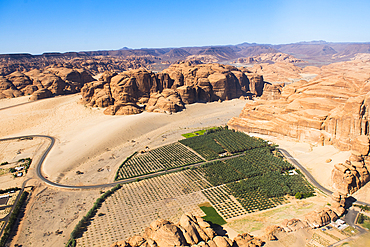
x: 347, y: 178
x: 190, y: 231
x: 43, y: 84
x: 171, y: 89
x: 332, y: 108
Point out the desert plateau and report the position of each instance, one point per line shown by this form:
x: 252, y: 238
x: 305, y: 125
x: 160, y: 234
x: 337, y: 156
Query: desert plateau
x: 188, y: 143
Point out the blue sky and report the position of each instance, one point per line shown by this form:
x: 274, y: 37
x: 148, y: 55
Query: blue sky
x: 37, y: 26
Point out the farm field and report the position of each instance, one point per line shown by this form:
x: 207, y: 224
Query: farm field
x: 159, y: 159
x: 255, y: 179
x: 133, y: 207
x: 220, y: 140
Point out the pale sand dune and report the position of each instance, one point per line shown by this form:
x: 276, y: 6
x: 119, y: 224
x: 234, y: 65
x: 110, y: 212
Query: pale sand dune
x: 83, y: 133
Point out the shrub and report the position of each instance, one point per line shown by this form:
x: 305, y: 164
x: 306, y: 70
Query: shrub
x: 298, y: 195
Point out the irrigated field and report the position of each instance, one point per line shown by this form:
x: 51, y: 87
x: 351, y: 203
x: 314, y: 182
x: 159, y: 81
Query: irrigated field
x: 254, y: 179
x: 159, y: 159
x: 133, y: 207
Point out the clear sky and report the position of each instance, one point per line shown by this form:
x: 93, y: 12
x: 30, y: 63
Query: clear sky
x: 37, y: 26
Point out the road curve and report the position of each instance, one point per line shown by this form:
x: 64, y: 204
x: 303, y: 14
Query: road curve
x: 310, y: 177
x: 65, y: 186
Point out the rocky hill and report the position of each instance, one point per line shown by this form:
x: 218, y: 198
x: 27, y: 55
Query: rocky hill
x: 133, y: 91
x: 332, y: 107
x: 92, y: 64
x: 270, y: 58
x: 190, y: 231
x: 43, y: 83
x: 316, y: 53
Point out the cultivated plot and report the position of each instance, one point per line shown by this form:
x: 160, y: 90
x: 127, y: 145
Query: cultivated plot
x: 159, y: 159
x: 224, y: 203
x: 133, y: 207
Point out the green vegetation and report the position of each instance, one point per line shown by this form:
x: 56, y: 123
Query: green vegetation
x: 163, y: 158
x: 4, y: 163
x: 365, y: 208
x: 205, y: 146
x: 219, y: 172
x: 259, y: 161
x: 298, y: 195
x: 212, y: 215
x: 85, y: 221
x: 364, y: 221
x: 220, y: 140
x: 13, y: 219
x: 258, y: 178
x: 197, y: 133
x: 123, y: 163
x: 188, y: 135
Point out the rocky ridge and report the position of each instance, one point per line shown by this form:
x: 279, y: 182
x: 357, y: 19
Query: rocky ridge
x: 168, y: 91
x: 270, y: 58
x: 43, y: 83
x: 190, y: 231
x: 333, y: 108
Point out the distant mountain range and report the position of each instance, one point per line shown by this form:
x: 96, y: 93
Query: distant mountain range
x: 315, y: 52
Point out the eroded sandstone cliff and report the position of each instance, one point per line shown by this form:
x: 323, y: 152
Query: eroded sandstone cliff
x: 43, y: 83
x: 333, y: 108
x: 168, y: 91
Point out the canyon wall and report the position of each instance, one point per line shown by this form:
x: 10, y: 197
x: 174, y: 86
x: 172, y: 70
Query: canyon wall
x: 333, y: 108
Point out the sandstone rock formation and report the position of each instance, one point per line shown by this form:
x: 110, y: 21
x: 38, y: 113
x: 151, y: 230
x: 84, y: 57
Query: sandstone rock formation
x: 333, y: 108
x: 168, y: 91
x: 43, y: 84
x: 350, y: 176
x: 270, y: 58
x: 312, y: 220
x: 190, y: 231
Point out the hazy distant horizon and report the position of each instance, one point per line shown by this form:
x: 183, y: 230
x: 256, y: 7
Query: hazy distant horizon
x: 149, y: 48
x: 41, y: 26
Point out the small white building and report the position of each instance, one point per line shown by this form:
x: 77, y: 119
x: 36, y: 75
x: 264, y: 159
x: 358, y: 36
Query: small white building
x: 292, y: 172
x: 19, y: 168
x: 19, y: 174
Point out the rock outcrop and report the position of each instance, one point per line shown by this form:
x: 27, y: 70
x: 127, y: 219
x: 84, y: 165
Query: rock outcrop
x: 333, y: 108
x: 171, y: 89
x: 190, y: 231
x: 270, y: 58
x: 328, y: 214
x: 350, y: 176
x: 43, y: 84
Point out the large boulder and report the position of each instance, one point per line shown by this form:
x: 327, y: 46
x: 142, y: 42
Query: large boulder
x: 165, y: 234
x: 168, y: 101
x: 97, y: 94
x: 41, y: 94
x: 247, y: 240
x: 121, y: 108
x: 350, y: 176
